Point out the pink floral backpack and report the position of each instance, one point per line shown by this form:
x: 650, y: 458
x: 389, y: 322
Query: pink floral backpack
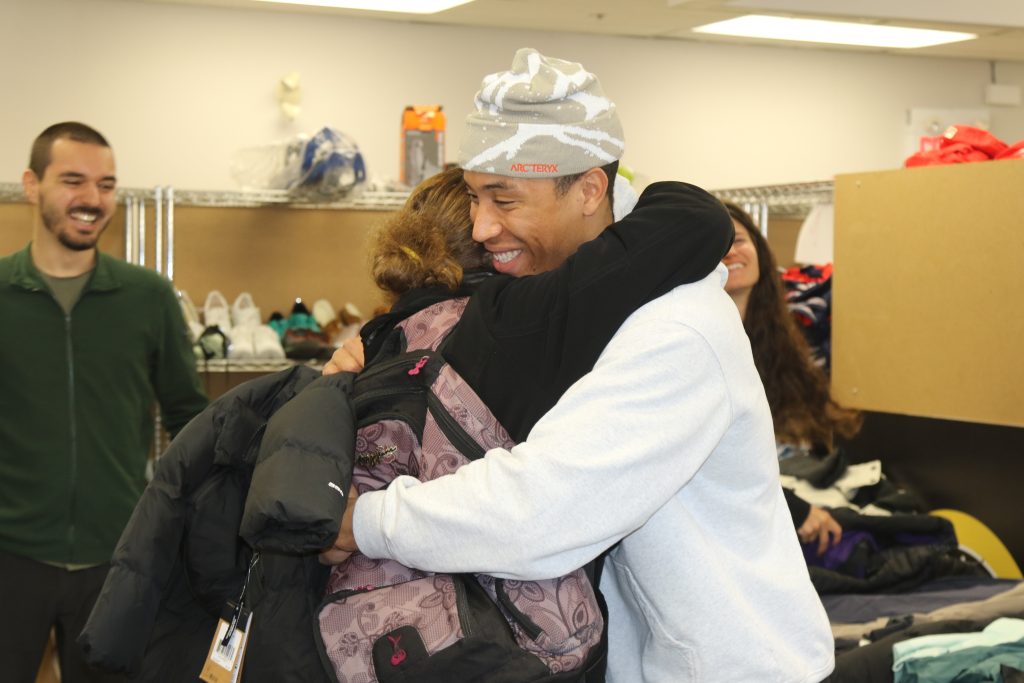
x: 381, y: 621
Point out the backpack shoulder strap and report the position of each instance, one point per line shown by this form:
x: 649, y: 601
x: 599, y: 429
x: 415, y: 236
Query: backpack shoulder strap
x: 428, y: 328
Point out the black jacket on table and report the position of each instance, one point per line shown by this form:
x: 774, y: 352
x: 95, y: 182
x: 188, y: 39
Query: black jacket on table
x: 180, y: 559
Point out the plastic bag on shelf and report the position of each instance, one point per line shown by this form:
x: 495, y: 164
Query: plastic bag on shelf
x: 323, y: 167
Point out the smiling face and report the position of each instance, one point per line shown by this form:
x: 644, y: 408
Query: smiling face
x: 742, y: 263
x: 75, y: 195
x: 526, y: 225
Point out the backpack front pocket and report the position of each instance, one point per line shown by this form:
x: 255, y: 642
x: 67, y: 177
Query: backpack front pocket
x: 394, y: 625
x: 557, y: 620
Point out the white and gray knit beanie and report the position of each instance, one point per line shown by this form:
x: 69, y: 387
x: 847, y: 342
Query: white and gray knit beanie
x: 543, y: 118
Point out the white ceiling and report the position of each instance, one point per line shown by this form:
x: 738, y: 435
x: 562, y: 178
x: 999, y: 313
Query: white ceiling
x: 998, y: 23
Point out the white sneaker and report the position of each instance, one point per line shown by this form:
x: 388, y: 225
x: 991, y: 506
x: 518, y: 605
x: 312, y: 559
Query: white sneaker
x: 323, y: 313
x: 215, y: 312
x: 245, y: 312
x: 188, y: 310
x: 195, y: 331
x: 266, y: 343
x: 241, y: 346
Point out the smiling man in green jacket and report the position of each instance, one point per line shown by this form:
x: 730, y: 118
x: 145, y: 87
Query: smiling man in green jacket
x: 88, y: 344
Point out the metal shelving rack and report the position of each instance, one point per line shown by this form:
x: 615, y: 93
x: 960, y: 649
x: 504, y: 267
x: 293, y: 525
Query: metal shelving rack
x: 165, y: 199
x: 792, y: 200
x: 11, y: 192
x: 789, y: 200
x: 367, y: 200
x: 228, y: 365
x: 161, y: 201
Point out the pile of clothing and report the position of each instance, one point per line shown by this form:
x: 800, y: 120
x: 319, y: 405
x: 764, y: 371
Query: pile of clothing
x: 963, y: 144
x: 809, y: 299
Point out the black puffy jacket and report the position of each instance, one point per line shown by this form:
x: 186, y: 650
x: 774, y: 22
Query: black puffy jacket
x: 266, y: 462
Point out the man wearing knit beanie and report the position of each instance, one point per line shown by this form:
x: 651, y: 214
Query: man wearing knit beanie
x: 543, y: 138
x: 545, y: 118
x: 663, y: 455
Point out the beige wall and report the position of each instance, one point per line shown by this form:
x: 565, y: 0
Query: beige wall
x: 180, y: 88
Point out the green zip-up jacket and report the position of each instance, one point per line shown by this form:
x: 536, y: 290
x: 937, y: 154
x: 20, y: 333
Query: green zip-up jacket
x: 76, y: 399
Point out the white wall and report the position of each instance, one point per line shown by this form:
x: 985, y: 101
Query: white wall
x: 178, y: 88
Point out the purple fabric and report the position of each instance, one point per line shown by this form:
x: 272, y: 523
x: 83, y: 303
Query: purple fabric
x: 839, y: 554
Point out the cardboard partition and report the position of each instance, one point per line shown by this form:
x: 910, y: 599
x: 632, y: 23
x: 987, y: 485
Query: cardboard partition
x: 928, y: 294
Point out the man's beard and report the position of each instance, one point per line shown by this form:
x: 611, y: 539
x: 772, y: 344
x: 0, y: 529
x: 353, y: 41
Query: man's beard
x: 66, y: 240
x: 52, y: 222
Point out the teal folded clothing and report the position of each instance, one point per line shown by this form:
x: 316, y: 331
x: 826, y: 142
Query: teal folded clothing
x: 951, y: 656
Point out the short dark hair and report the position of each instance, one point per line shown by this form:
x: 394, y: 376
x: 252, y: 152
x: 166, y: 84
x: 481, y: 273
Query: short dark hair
x: 563, y: 183
x: 40, y: 157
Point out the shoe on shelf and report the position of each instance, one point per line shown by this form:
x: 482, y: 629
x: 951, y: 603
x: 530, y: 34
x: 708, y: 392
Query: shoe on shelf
x: 350, y: 315
x: 188, y: 310
x: 215, y: 312
x: 214, y: 343
x: 301, y: 319
x: 266, y: 343
x: 350, y: 320
x: 278, y: 323
x: 240, y: 344
x: 302, y: 343
x: 245, y: 312
x: 323, y: 313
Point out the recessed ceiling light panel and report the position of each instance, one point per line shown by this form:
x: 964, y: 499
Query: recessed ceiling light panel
x: 406, y: 6
x: 831, y: 32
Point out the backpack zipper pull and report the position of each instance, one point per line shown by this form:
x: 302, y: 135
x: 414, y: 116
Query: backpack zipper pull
x: 419, y: 365
x: 399, y: 654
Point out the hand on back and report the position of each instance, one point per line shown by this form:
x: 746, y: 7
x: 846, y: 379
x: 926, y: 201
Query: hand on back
x: 348, y: 357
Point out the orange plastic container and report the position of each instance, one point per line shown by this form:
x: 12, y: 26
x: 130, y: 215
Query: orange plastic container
x: 422, y: 143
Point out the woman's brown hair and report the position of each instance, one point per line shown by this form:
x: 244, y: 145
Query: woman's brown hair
x: 803, y: 410
x: 429, y: 242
